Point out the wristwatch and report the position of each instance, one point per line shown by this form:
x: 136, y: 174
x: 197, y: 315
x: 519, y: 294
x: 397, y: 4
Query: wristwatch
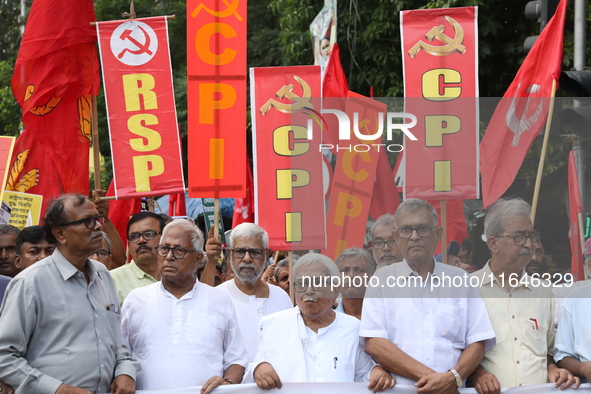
x: 457, y: 376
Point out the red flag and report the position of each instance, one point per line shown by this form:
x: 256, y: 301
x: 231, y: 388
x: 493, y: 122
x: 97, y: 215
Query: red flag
x: 121, y: 210
x: 244, y: 206
x: 575, y: 209
x: 55, y: 72
x: 522, y: 112
x: 177, y: 204
x: 385, y: 197
x: 334, y: 84
x: 456, y: 221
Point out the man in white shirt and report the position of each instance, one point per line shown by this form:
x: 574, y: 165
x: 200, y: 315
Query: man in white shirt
x: 520, y: 309
x: 430, y: 333
x: 252, y: 297
x: 311, y: 342
x: 183, y: 332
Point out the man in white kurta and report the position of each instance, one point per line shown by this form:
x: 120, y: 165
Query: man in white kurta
x: 183, y: 332
x: 252, y: 297
x: 311, y: 342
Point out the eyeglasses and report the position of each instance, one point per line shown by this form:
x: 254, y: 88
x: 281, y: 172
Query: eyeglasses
x: 318, y: 283
x: 379, y: 244
x: 148, y: 236
x: 89, y: 222
x: 422, y: 231
x: 521, y: 239
x: 239, y: 253
x: 177, y: 251
x: 101, y: 253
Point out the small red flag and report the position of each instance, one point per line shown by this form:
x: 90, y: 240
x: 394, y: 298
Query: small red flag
x: 334, y: 84
x: 55, y: 73
x: 456, y: 221
x: 385, y: 197
x: 244, y: 206
x: 575, y: 208
x: 522, y: 111
x: 121, y: 210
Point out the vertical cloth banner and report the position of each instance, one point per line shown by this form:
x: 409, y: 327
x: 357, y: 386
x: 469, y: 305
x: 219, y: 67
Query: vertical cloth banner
x: 141, y: 110
x: 289, y: 197
x: 522, y: 111
x: 55, y: 73
x: 440, y: 65
x: 575, y: 210
x: 353, y: 181
x: 216, y: 94
x: 6, y: 147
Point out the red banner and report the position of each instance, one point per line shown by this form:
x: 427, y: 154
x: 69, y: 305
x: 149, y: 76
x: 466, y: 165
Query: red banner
x: 354, y: 175
x: 216, y: 66
x: 440, y: 63
x: 289, y: 198
x: 143, y: 127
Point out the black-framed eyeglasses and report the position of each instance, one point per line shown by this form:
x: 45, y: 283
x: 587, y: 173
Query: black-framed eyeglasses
x: 422, y: 231
x: 379, y: 244
x: 177, y: 251
x: 148, y: 236
x: 521, y: 239
x: 254, y: 253
x: 89, y: 222
x: 101, y: 253
x: 318, y: 283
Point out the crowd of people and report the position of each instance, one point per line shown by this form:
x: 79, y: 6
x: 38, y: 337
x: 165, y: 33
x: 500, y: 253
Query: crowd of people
x: 76, y: 318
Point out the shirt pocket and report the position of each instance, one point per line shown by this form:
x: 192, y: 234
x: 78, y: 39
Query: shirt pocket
x: 344, y: 372
x: 201, y: 330
x: 448, y: 321
x: 535, y: 340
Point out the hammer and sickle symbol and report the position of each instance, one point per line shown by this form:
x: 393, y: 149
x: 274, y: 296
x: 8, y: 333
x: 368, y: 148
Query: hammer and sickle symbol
x: 452, y: 44
x: 298, y: 102
x: 231, y: 10
x: 141, y: 48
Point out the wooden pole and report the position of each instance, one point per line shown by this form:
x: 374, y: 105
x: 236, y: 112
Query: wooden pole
x: 168, y: 17
x: 534, y: 203
x: 151, y: 204
x: 444, y: 234
x: 95, y: 143
x: 291, y: 276
x: 216, y: 217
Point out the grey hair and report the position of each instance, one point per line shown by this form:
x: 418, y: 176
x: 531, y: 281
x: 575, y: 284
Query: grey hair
x: 311, y: 258
x: 189, y: 226
x: 386, y: 219
x: 415, y: 205
x: 501, y: 211
x: 108, y: 241
x: 8, y: 229
x: 249, y: 230
x: 283, y: 263
x: 358, y: 253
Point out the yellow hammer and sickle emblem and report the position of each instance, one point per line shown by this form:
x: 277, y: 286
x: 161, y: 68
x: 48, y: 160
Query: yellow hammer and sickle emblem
x: 231, y: 10
x: 452, y: 45
x: 298, y: 102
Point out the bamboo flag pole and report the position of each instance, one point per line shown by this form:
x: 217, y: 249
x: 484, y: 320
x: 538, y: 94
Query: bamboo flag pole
x: 534, y: 204
x: 444, y: 234
x: 95, y: 144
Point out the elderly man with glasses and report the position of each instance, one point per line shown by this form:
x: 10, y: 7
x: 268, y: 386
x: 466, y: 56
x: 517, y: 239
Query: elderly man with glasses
x: 183, y: 332
x: 60, y: 330
x: 385, y: 249
x: 252, y: 297
x: 422, y: 320
x: 520, y: 307
x: 143, y: 235
x: 311, y: 342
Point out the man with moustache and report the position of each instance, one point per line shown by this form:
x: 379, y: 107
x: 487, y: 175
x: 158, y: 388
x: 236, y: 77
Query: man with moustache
x: 311, y: 342
x: 521, y: 311
x: 537, y: 264
x: 63, y: 309
x: 428, y: 332
x: 183, y: 332
x: 8, y: 236
x: 354, y: 263
x: 31, y: 247
x: 143, y: 235
x: 252, y: 297
x: 385, y: 249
